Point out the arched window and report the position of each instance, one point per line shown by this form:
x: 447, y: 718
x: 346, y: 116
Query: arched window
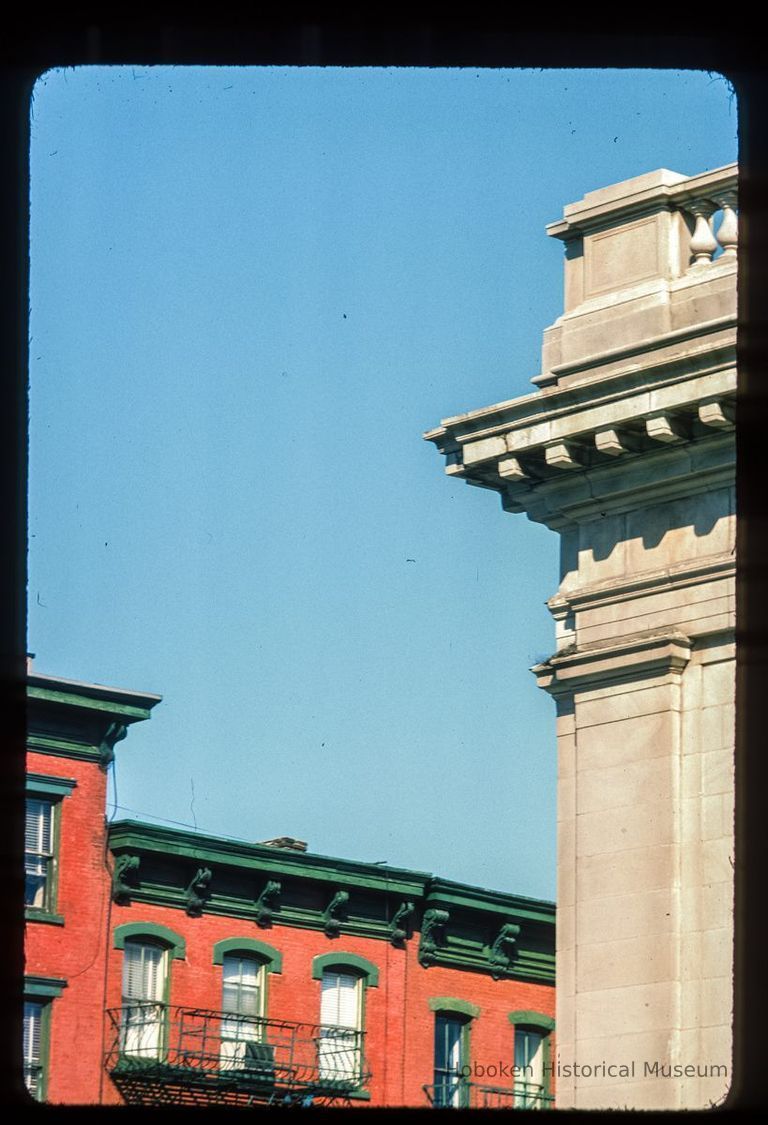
x: 245, y: 963
x: 453, y: 1021
x: 144, y: 998
x: 344, y: 979
x: 532, y: 1069
x: 147, y: 952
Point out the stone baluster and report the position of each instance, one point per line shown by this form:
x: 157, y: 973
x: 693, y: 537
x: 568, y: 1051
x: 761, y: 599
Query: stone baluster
x: 703, y: 241
x: 728, y: 231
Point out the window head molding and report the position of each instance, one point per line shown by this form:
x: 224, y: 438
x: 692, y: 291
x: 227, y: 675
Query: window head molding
x: 44, y: 987
x: 271, y: 957
x: 41, y: 785
x: 532, y: 1019
x: 175, y: 943
x: 451, y: 1004
x: 345, y: 961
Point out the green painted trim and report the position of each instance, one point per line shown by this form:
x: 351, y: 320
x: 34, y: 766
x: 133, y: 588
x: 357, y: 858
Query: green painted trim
x: 353, y: 960
x: 173, y: 941
x: 361, y: 1095
x: 534, y: 1020
x: 47, y: 987
x: 451, y: 1004
x: 40, y: 785
x: 215, y: 851
x: 91, y: 698
x: 46, y: 1004
x: 272, y: 957
x: 79, y: 752
x: 47, y: 911
x: 43, y: 916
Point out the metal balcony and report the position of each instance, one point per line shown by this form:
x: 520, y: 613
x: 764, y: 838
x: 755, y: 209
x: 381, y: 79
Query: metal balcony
x: 164, y: 1055
x: 459, y: 1093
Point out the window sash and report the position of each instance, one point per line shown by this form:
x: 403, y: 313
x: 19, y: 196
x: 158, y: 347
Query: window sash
x: 340, y: 1043
x: 38, y: 852
x: 450, y: 1060
x: 242, y: 1003
x: 529, y: 1068
x: 144, y: 984
x: 34, y: 1014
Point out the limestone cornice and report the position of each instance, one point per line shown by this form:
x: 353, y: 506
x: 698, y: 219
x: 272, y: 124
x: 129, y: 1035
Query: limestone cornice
x: 655, y: 654
x: 587, y: 494
x: 649, y: 367
x: 657, y: 190
x: 615, y: 591
x: 575, y: 453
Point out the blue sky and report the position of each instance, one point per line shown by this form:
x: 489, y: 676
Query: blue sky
x: 252, y: 291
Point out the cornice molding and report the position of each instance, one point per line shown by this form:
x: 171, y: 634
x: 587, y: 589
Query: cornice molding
x: 153, y: 866
x: 645, y: 656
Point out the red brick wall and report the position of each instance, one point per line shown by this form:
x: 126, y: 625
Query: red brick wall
x: 75, y: 951
x: 399, y: 1046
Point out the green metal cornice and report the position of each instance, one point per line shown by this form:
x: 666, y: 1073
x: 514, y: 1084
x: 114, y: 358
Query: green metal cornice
x: 460, y: 926
x: 128, y: 705
x: 214, y: 850
x: 448, y: 895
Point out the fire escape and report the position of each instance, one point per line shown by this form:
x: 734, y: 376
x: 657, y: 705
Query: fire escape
x: 165, y: 1055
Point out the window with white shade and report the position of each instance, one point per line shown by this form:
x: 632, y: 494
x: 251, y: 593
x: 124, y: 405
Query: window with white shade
x: 529, y: 1068
x: 39, y: 853
x: 243, y: 1005
x: 340, y: 1044
x: 34, y: 1014
x: 145, y: 971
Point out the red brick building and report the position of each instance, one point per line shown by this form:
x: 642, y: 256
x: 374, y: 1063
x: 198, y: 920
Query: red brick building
x: 169, y: 967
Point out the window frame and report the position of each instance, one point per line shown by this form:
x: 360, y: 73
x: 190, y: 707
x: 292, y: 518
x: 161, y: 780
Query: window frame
x: 173, y: 946
x: 537, y: 1022
x: 41, y: 991
x: 461, y: 1012
x: 367, y: 975
x: 50, y: 791
x: 235, y: 1061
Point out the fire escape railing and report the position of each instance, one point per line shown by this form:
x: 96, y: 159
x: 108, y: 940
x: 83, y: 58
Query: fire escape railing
x: 460, y: 1093
x: 162, y: 1054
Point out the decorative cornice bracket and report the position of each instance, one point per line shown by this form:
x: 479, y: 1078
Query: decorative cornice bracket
x: 432, y: 934
x: 198, y: 891
x: 267, y: 903
x: 335, y: 913
x: 401, y: 926
x: 124, y: 878
x: 504, y: 950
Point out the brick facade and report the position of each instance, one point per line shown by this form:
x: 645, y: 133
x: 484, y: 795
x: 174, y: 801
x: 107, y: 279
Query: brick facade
x: 490, y: 954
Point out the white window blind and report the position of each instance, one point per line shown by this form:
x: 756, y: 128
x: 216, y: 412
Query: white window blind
x: 340, y: 1046
x: 33, y: 1025
x: 38, y: 851
x: 340, y: 1000
x: 144, y: 979
x: 529, y: 1068
x: 242, y: 1001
